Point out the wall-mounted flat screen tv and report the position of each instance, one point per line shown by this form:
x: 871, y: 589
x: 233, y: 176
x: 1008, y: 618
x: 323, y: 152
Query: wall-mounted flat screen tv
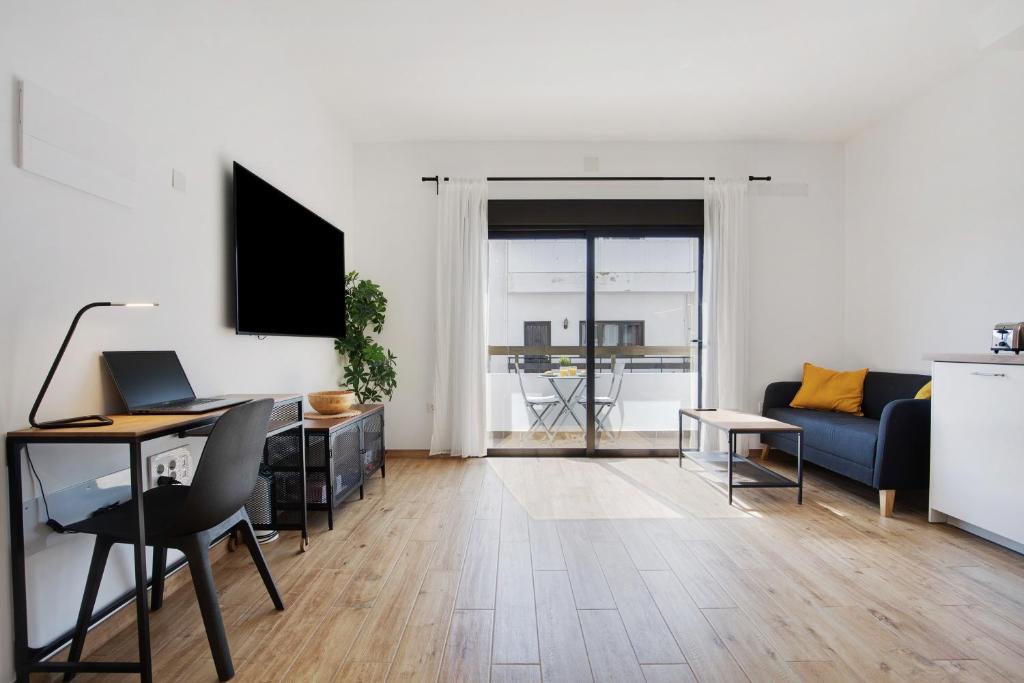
x: 289, y: 264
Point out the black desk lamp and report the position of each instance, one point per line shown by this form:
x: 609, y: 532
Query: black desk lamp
x: 84, y: 420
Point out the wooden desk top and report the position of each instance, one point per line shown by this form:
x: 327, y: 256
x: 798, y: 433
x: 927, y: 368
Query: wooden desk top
x: 130, y: 427
x: 329, y: 425
x: 736, y: 421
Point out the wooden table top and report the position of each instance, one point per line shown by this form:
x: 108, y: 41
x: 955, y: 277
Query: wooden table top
x: 736, y: 421
x: 328, y: 425
x: 130, y: 427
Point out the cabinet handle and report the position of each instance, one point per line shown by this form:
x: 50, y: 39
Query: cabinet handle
x: 989, y: 374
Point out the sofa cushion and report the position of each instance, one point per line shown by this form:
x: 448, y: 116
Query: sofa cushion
x: 925, y: 391
x: 846, y: 436
x: 825, y: 389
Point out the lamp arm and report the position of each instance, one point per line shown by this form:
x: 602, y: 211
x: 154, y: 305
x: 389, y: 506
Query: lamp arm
x: 60, y: 355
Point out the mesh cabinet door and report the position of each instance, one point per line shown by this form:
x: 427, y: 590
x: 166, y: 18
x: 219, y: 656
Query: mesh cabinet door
x: 284, y: 414
x: 284, y: 455
x: 372, y: 428
x: 260, y: 503
x: 345, y: 464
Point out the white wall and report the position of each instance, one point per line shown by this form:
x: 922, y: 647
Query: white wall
x: 797, y: 266
x: 935, y: 220
x: 194, y: 96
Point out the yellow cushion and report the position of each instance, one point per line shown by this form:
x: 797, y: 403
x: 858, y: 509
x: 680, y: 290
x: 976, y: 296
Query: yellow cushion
x: 824, y: 389
x: 925, y: 391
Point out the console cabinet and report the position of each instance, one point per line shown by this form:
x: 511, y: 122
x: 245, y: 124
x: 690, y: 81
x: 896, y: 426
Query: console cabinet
x: 277, y: 503
x: 341, y: 454
x: 977, y: 447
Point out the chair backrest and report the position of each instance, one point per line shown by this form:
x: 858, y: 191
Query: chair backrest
x: 519, y: 374
x: 228, y: 469
x: 618, y: 372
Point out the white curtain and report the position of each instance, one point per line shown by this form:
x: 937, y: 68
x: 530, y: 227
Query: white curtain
x: 726, y: 297
x: 460, y: 364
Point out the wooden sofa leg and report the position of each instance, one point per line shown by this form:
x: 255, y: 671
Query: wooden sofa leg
x: 886, y: 498
x: 765, y: 450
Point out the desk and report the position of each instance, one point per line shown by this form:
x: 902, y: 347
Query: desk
x: 128, y: 430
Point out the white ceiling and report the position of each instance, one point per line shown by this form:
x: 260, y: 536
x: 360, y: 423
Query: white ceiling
x: 623, y: 70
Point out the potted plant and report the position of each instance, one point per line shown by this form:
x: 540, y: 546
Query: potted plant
x: 565, y: 369
x: 369, y: 368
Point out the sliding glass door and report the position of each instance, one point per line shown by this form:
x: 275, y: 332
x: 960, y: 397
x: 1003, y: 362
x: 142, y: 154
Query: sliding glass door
x: 645, y: 340
x: 537, y: 366
x: 595, y: 322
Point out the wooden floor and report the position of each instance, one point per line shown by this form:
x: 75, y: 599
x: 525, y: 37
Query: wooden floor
x: 607, y: 570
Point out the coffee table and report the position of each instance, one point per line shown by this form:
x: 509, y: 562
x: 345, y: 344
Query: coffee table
x: 734, y: 423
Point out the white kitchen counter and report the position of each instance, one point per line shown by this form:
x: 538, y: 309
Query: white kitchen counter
x: 977, y: 445
x: 1002, y: 358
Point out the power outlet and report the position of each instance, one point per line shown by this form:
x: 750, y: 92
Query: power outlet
x: 176, y: 463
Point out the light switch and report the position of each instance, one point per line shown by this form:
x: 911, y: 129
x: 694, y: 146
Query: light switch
x: 178, y: 180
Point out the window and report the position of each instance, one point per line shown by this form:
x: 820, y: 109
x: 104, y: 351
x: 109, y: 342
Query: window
x: 537, y: 333
x: 614, y: 332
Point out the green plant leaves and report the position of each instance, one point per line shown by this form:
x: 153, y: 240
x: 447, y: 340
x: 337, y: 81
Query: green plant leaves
x: 370, y: 369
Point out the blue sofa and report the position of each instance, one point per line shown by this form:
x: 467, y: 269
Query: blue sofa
x: 886, y: 449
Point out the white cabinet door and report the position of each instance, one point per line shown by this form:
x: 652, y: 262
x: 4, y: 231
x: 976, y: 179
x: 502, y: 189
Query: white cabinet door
x: 977, y: 458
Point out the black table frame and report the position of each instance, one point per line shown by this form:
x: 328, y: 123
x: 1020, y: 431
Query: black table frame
x: 733, y: 456
x: 28, y: 659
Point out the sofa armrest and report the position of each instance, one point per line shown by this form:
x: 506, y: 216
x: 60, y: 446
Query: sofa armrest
x: 904, y: 443
x: 779, y: 395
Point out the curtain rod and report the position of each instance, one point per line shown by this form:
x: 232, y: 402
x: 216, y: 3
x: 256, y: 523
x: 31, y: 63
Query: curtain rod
x: 544, y: 179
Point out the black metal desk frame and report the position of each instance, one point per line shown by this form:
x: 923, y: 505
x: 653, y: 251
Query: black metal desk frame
x: 734, y: 456
x: 28, y: 659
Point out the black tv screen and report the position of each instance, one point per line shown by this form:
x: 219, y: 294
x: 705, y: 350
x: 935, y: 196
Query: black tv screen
x: 289, y: 264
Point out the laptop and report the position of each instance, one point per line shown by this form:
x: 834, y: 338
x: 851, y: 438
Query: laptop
x: 154, y: 383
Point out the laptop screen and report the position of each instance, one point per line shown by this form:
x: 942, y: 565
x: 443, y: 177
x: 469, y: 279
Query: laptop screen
x: 148, y: 378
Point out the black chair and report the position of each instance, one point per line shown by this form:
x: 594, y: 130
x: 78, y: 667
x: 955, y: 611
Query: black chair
x: 184, y: 518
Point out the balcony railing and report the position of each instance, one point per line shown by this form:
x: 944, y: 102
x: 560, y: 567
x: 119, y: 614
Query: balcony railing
x: 637, y: 358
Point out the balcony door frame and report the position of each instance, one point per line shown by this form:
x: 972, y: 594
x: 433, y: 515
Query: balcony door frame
x: 589, y: 220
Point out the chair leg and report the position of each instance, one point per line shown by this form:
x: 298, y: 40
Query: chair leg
x: 886, y: 499
x: 197, y: 551
x: 100, y: 552
x: 538, y: 419
x: 156, y: 599
x: 249, y: 536
x: 543, y: 423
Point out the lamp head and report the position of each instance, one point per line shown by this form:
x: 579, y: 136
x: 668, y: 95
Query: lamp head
x: 136, y: 305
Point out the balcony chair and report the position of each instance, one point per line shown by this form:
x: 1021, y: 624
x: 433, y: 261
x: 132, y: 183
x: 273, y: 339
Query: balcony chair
x: 185, y: 518
x: 533, y: 404
x: 603, y: 404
